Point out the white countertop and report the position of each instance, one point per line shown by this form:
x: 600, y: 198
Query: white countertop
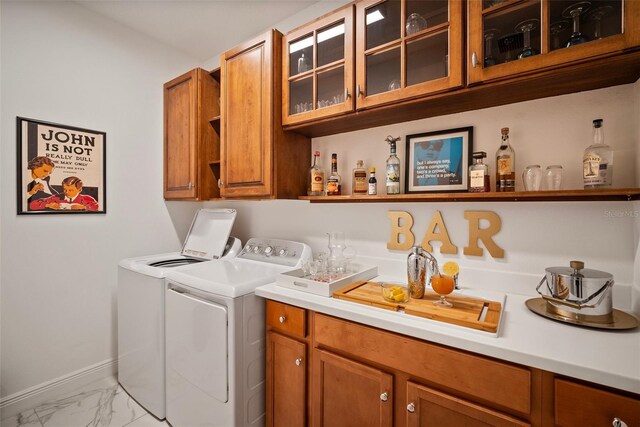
x: 610, y: 358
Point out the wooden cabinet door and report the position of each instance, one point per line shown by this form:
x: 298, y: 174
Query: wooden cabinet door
x: 317, y: 78
x: 180, y: 136
x: 247, y: 119
x: 497, y: 34
x: 349, y: 394
x: 407, y: 49
x: 427, y: 407
x: 286, y: 381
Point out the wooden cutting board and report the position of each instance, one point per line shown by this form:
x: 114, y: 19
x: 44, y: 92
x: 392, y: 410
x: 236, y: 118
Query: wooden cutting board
x: 466, y: 311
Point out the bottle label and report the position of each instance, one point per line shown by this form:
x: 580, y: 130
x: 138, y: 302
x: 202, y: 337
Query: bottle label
x: 373, y: 190
x: 393, y: 173
x: 332, y: 186
x: 504, y: 165
x: 594, y: 169
x: 477, y: 179
x: 317, y: 181
x: 360, y: 182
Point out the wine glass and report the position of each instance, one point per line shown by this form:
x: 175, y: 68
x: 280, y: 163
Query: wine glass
x: 555, y: 29
x: 526, y: 27
x: 415, y: 23
x: 574, y: 11
x: 596, y: 15
x: 489, y: 34
x: 442, y: 285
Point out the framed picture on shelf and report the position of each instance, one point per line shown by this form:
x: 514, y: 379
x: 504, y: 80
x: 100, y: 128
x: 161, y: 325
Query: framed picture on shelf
x: 61, y: 169
x: 438, y: 161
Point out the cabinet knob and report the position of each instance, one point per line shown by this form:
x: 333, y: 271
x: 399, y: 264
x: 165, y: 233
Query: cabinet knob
x: 219, y: 183
x: 474, y: 60
x: 359, y: 91
x: 411, y: 408
x: 617, y: 422
x: 190, y: 186
x: 298, y: 361
x: 282, y: 319
x: 347, y: 95
x: 384, y: 396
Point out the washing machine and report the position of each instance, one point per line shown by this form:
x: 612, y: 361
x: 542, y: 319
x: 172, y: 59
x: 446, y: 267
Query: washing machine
x: 141, y: 304
x: 215, y: 342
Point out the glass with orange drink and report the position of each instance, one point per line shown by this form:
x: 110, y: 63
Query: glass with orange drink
x: 442, y: 285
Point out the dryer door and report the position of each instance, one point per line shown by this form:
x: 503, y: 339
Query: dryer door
x: 197, y: 348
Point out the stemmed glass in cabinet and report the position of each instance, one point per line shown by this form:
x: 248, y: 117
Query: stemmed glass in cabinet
x: 526, y: 27
x: 489, y: 35
x: 596, y: 15
x: 574, y: 12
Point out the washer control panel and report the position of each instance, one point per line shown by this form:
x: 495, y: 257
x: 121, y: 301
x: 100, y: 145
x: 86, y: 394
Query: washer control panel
x: 276, y: 251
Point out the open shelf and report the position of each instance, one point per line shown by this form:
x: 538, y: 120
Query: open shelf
x: 215, y: 73
x: 615, y: 194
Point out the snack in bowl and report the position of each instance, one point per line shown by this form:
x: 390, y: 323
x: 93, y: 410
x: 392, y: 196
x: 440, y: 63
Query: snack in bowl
x: 395, y: 293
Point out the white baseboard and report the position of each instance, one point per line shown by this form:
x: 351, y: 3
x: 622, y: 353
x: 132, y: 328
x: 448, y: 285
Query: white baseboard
x: 34, y: 396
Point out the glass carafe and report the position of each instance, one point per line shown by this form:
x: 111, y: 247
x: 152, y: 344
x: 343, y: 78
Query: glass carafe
x: 337, y: 260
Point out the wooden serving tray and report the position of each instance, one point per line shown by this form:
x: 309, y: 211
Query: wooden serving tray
x: 466, y: 311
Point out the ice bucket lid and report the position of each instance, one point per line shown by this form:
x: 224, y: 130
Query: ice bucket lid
x: 209, y: 233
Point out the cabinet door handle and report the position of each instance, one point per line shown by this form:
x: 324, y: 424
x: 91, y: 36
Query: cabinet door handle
x: 190, y: 186
x: 617, y: 422
x: 474, y: 59
x: 359, y: 92
x: 219, y: 183
x: 347, y: 95
x: 299, y: 361
x: 384, y: 396
x: 282, y: 319
x: 411, y: 408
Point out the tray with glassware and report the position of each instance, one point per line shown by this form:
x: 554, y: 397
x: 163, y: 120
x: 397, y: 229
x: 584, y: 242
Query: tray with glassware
x: 326, y: 282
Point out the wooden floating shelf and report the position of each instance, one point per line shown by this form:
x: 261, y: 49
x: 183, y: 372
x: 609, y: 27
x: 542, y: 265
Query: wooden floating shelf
x: 615, y: 194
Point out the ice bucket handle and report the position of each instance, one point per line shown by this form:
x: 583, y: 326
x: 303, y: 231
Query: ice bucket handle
x: 577, y: 304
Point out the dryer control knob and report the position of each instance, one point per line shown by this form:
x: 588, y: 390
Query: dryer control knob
x: 256, y: 249
x: 282, y: 252
x: 268, y: 251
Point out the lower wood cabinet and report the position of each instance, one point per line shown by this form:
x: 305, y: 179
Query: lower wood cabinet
x: 347, y: 393
x: 363, y: 376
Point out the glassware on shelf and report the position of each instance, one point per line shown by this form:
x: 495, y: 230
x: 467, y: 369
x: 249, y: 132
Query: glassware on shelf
x: 532, y: 177
x: 596, y: 15
x: 574, y: 12
x: 489, y: 35
x: 553, y: 177
x: 415, y: 23
x: 526, y: 27
x: 394, y: 84
x: 555, y: 29
x: 442, y: 285
x: 304, y: 64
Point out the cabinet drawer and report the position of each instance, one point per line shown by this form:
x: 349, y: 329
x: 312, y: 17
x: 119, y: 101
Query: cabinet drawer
x: 286, y: 318
x: 581, y: 405
x: 486, y: 380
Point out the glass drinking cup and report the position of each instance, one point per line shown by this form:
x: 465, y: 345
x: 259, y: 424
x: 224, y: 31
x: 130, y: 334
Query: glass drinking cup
x: 442, y: 285
x: 553, y: 177
x: 531, y: 177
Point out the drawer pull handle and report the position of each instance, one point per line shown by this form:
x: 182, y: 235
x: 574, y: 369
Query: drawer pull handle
x: 411, y: 408
x: 298, y: 361
x: 282, y: 319
x: 617, y: 422
x: 474, y: 60
x: 384, y: 396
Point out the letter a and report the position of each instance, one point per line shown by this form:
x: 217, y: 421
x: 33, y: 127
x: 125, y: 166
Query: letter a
x: 485, y: 234
x: 443, y: 236
x: 397, y: 230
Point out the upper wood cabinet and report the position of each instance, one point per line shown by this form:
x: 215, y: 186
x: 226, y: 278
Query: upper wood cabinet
x: 512, y: 37
x: 407, y: 49
x: 318, y: 68
x: 191, y: 144
x: 258, y: 159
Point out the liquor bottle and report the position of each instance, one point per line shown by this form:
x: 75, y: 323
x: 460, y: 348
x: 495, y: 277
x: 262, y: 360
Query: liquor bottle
x: 359, y: 179
x: 597, y: 161
x: 334, y: 182
x: 373, y: 183
x: 479, y: 181
x: 316, y: 177
x: 505, y: 165
x: 393, y: 167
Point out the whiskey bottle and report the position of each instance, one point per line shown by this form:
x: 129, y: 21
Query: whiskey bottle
x: 479, y: 181
x: 316, y: 177
x: 373, y: 183
x: 597, y: 161
x: 393, y: 167
x: 359, y: 179
x: 334, y: 182
x: 505, y: 165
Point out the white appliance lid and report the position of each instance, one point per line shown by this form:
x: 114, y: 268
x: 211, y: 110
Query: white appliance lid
x: 209, y: 233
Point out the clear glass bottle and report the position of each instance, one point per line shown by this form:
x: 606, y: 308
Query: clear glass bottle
x: 479, y: 181
x: 393, y: 167
x: 597, y: 161
x: 316, y: 177
x: 505, y: 165
x: 373, y: 183
x: 359, y: 179
x: 334, y: 182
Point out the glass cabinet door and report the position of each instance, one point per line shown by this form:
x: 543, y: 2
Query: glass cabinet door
x: 318, y: 68
x: 407, y: 48
x: 508, y: 37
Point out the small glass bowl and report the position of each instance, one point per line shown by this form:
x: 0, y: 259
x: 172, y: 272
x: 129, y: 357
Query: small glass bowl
x: 395, y: 292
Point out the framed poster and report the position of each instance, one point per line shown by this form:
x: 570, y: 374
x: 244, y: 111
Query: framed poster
x: 438, y: 161
x: 61, y: 169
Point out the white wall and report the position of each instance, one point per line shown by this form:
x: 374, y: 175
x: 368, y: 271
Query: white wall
x: 65, y: 64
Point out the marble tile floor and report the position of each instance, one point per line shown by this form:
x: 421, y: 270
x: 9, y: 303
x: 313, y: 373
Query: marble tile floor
x: 100, y: 404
